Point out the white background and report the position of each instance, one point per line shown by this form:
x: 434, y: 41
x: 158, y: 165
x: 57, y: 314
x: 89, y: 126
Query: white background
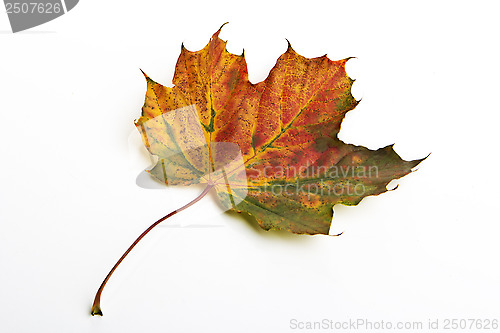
x: 70, y: 154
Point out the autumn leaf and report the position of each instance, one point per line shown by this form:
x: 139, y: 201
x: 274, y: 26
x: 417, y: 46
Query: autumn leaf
x: 286, y: 127
x: 271, y: 149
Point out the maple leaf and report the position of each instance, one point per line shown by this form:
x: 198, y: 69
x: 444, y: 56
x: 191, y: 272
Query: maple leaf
x: 269, y: 149
x: 286, y: 127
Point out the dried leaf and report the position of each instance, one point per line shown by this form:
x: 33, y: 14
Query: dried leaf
x: 269, y: 149
x: 293, y: 167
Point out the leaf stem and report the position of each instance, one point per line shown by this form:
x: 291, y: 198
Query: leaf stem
x: 96, y: 306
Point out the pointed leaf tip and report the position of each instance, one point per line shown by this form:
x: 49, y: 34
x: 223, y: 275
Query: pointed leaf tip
x: 418, y: 161
x: 393, y: 189
x: 216, y: 34
x: 222, y: 26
